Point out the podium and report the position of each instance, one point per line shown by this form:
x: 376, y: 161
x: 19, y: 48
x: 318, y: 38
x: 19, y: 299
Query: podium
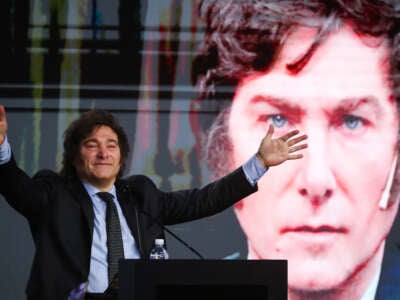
x: 202, y: 279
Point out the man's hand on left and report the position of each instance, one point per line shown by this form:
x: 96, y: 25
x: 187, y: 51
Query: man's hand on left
x: 3, y: 124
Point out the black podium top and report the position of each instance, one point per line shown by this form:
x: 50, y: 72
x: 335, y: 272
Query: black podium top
x: 203, y: 279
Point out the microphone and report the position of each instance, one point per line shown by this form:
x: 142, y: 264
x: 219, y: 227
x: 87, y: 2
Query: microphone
x: 384, y: 201
x: 154, y: 220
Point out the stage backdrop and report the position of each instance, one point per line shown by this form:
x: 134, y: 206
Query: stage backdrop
x: 59, y: 58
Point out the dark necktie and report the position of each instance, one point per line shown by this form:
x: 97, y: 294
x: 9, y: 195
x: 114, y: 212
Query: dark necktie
x: 115, y: 247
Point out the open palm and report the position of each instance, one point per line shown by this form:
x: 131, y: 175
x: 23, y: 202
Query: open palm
x: 273, y: 152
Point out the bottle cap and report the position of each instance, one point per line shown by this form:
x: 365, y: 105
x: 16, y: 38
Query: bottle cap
x: 159, y: 241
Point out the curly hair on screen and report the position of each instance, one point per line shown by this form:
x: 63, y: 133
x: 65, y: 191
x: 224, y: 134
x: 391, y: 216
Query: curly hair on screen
x: 244, y: 37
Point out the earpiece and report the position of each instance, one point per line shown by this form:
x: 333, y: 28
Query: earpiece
x: 384, y: 201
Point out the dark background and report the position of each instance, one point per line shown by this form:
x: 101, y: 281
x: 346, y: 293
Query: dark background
x: 59, y: 58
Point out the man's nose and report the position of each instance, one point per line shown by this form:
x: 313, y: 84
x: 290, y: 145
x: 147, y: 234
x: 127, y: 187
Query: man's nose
x: 316, y: 180
x: 102, y: 151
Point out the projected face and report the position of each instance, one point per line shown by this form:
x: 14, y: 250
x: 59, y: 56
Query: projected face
x: 321, y: 212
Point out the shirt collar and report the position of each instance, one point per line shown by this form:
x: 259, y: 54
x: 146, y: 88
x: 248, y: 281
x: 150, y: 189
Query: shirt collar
x: 92, y: 190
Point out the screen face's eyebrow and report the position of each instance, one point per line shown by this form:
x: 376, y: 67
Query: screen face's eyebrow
x: 281, y: 104
x: 343, y: 105
x: 351, y: 104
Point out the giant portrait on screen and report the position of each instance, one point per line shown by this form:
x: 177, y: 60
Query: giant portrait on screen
x: 331, y: 70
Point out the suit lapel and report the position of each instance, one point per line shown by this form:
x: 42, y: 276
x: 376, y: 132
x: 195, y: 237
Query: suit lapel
x: 80, y: 195
x: 127, y: 202
x: 389, y: 282
x: 79, y: 211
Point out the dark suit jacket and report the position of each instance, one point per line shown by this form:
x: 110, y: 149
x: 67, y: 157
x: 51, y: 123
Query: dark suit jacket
x: 60, y: 215
x: 389, y: 280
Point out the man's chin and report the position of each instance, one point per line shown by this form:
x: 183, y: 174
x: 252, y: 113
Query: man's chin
x: 313, y: 285
x: 317, y: 277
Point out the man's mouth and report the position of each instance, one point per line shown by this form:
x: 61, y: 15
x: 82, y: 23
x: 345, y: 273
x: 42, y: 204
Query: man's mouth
x: 322, y: 229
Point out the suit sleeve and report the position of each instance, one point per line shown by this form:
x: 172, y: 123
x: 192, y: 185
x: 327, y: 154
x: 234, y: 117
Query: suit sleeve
x: 25, y: 194
x: 188, y: 205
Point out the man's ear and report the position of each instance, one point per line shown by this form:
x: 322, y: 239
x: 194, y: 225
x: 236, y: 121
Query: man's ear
x: 77, y: 162
x: 386, y: 194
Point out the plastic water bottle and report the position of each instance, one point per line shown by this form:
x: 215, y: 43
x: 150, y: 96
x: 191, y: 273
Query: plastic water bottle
x: 159, y: 251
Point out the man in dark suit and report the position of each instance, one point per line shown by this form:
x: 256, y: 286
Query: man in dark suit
x: 69, y: 213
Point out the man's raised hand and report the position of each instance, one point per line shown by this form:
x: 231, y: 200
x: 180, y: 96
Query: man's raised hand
x: 3, y: 124
x: 273, y: 152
